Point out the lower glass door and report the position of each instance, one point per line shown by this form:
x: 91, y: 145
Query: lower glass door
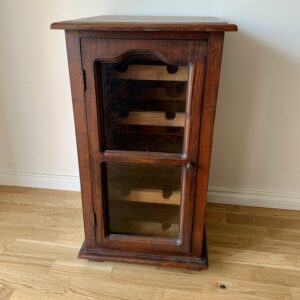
x: 142, y: 199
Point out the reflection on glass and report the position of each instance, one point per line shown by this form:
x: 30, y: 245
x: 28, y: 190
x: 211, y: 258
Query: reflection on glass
x: 143, y: 104
x: 143, y: 199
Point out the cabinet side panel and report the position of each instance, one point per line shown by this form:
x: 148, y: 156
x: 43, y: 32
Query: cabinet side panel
x: 212, y: 76
x: 79, y: 110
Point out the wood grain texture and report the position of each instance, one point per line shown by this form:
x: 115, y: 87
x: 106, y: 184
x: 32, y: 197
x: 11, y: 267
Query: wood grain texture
x: 79, y: 111
x: 159, y: 94
x: 153, y: 118
x: 147, y: 196
x: 146, y: 23
x: 38, y: 260
x: 147, y: 72
x: 209, y: 102
x: 112, y: 50
x: 140, y: 35
x: 190, y: 53
x: 202, y: 54
x: 159, y: 158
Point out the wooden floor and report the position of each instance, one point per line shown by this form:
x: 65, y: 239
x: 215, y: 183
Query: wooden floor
x: 254, y: 253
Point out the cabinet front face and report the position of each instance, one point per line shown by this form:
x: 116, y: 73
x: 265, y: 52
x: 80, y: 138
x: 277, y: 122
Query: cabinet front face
x: 143, y: 101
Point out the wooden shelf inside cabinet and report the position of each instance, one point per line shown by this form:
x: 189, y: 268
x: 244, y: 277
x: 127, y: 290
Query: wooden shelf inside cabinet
x: 163, y: 224
x: 144, y: 93
x: 156, y: 94
x: 147, y: 196
x: 145, y: 228
x: 146, y: 72
x: 153, y: 118
x: 140, y: 186
x: 151, y: 130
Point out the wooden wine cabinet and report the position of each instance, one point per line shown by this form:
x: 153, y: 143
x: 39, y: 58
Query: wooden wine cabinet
x: 144, y: 95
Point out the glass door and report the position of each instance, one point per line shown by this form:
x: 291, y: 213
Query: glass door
x: 143, y: 104
x: 143, y: 199
x: 143, y: 108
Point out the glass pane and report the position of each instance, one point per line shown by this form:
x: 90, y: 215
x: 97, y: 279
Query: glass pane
x: 143, y: 104
x: 143, y: 199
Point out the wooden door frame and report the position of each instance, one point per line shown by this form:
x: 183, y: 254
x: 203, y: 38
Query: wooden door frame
x: 180, y: 52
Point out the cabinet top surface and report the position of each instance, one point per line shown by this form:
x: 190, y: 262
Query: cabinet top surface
x: 146, y: 23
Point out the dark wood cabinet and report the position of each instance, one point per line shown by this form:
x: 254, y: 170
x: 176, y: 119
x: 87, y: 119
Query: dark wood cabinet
x: 144, y: 96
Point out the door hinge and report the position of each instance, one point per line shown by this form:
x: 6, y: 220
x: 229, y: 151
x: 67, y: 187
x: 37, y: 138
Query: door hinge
x: 84, y: 79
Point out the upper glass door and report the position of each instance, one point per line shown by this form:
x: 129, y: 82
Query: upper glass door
x: 143, y: 104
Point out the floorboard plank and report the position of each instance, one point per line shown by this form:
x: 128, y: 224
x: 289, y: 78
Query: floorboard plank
x: 254, y: 253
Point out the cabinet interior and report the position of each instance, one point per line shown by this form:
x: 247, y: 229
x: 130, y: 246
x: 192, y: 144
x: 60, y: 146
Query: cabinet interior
x: 142, y: 101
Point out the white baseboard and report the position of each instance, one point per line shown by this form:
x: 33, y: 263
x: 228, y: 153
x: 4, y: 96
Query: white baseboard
x: 258, y: 198
x: 39, y: 180
x: 222, y: 195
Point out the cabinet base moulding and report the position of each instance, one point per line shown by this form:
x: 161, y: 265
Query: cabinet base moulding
x: 176, y: 261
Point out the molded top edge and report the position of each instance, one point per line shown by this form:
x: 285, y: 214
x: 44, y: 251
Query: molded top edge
x: 146, y: 23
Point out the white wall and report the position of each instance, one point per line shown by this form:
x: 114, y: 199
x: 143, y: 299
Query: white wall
x: 256, y: 154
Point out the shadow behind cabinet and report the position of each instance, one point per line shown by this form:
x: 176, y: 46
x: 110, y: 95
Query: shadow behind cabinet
x: 144, y: 95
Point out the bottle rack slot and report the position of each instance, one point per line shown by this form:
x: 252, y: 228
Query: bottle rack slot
x: 153, y: 118
x: 152, y: 93
x: 150, y: 72
x: 147, y: 196
x: 129, y: 217
x: 125, y: 105
x: 150, y: 130
x: 144, y: 228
